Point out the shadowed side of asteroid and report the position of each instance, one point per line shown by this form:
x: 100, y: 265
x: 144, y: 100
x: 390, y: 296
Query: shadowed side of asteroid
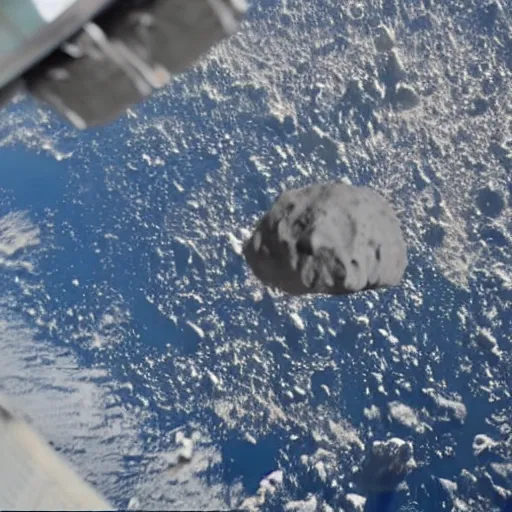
x: 330, y: 238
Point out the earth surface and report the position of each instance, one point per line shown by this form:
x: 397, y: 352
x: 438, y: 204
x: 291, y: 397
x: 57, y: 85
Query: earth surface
x: 131, y: 324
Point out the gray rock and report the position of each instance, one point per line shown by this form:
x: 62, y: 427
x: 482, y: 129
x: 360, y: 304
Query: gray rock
x: 502, y: 471
x: 483, y: 443
x: 354, y: 502
x: 406, y: 416
x: 307, y: 505
x: 467, y: 483
x: 383, y: 39
x: 331, y: 238
x: 487, y: 341
x: 406, y: 97
x: 447, y: 490
x: 454, y: 409
x: 387, y: 465
x: 487, y: 487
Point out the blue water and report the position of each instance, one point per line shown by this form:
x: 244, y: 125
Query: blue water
x: 92, y: 194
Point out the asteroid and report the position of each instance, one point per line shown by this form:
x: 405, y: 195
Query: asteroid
x: 387, y: 465
x: 328, y: 238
